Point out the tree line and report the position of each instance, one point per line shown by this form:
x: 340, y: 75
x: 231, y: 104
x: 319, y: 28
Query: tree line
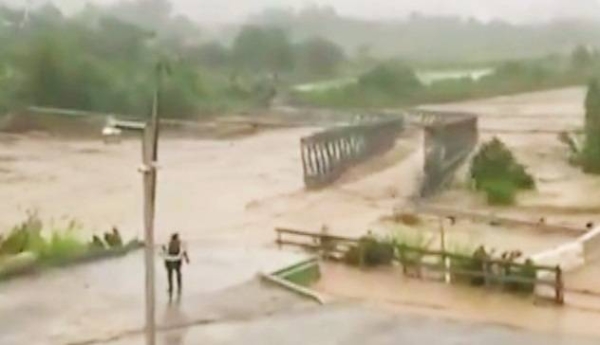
x: 394, y: 83
x: 102, y: 59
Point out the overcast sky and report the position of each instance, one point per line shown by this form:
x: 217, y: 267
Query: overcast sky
x: 512, y: 10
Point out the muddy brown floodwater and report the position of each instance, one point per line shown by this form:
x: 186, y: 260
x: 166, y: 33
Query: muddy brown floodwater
x: 203, y: 192
x: 564, y: 194
x: 529, y: 124
x: 235, y: 192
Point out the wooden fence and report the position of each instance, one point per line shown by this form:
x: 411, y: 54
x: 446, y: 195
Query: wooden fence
x: 328, y: 154
x: 419, y: 262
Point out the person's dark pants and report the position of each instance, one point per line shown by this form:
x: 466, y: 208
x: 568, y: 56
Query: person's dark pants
x: 173, y: 266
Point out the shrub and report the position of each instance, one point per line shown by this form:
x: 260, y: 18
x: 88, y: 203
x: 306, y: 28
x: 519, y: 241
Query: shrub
x: 391, y: 79
x: 27, y: 237
x: 352, y: 256
x: 499, y: 192
x: 23, y: 236
x: 62, y: 245
x: 495, y: 170
x: 528, y: 272
x: 408, y: 258
x: 374, y: 252
x: 473, y: 261
x: 404, y: 241
x: 522, y: 179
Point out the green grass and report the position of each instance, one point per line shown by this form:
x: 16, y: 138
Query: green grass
x: 304, y: 275
x: 63, y: 245
x: 28, y: 236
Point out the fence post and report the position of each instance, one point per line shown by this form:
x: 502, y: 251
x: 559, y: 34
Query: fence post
x: 403, y: 259
x: 445, y: 261
x: 487, y: 270
x: 560, y: 286
x: 278, y: 239
x: 361, y: 255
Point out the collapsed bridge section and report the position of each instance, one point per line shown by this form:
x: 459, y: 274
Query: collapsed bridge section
x: 326, y: 155
x: 449, y: 140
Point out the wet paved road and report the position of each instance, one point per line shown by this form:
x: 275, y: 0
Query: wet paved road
x: 100, y: 300
x: 353, y: 325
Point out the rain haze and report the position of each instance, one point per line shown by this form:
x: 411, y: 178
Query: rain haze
x: 516, y: 11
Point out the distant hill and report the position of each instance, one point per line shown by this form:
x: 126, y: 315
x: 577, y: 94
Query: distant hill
x: 430, y: 39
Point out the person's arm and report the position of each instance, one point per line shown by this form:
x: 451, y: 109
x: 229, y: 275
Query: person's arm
x: 185, y: 254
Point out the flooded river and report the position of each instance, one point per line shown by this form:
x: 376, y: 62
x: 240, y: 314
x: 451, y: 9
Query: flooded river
x: 235, y: 192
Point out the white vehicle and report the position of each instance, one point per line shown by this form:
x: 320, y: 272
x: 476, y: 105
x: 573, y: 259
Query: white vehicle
x: 110, y: 133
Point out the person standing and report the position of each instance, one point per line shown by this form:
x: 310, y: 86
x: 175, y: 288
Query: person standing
x: 174, y: 254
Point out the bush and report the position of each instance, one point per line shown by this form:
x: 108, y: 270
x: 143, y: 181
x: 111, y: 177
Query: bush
x: 408, y: 258
x: 468, y: 259
x: 374, y: 252
x: 499, y: 192
x: 495, y: 171
x: 391, y: 79
x: 404, y: 241
x: 529, y: 272
x: 352, y: 256
x: 467, y: 264
x: 62, y: 243
x: 23, y: 237
x: 521, y: 178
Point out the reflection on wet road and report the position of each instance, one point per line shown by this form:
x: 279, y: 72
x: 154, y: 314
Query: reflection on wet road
x: 357, y: 325
x: 174, y: 317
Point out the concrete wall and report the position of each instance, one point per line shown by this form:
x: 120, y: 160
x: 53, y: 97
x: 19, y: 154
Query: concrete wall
x: 569, y: 257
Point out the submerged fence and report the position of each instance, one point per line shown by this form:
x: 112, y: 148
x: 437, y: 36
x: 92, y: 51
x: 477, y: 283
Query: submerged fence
x: 441, y: 265
x: 328, y: 154
x: 449, y: 140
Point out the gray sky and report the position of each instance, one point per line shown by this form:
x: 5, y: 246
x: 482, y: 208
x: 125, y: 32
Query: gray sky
x: 214, y: 11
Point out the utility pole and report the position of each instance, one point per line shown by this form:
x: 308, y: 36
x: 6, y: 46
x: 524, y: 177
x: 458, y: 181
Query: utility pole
x: 149, y: 158
x: 150, y: 134
x: 445, y: 260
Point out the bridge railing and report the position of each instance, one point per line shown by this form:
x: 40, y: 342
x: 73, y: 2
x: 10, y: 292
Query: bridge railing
x: 328, y: 154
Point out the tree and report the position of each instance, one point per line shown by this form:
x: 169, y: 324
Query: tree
x: 182, y: 92
x: 581, y: 58
x: 591, y: 150
x: 318, y: 56
x: 391, y: 78
x: 212, y: 55
x: 262, y: 49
